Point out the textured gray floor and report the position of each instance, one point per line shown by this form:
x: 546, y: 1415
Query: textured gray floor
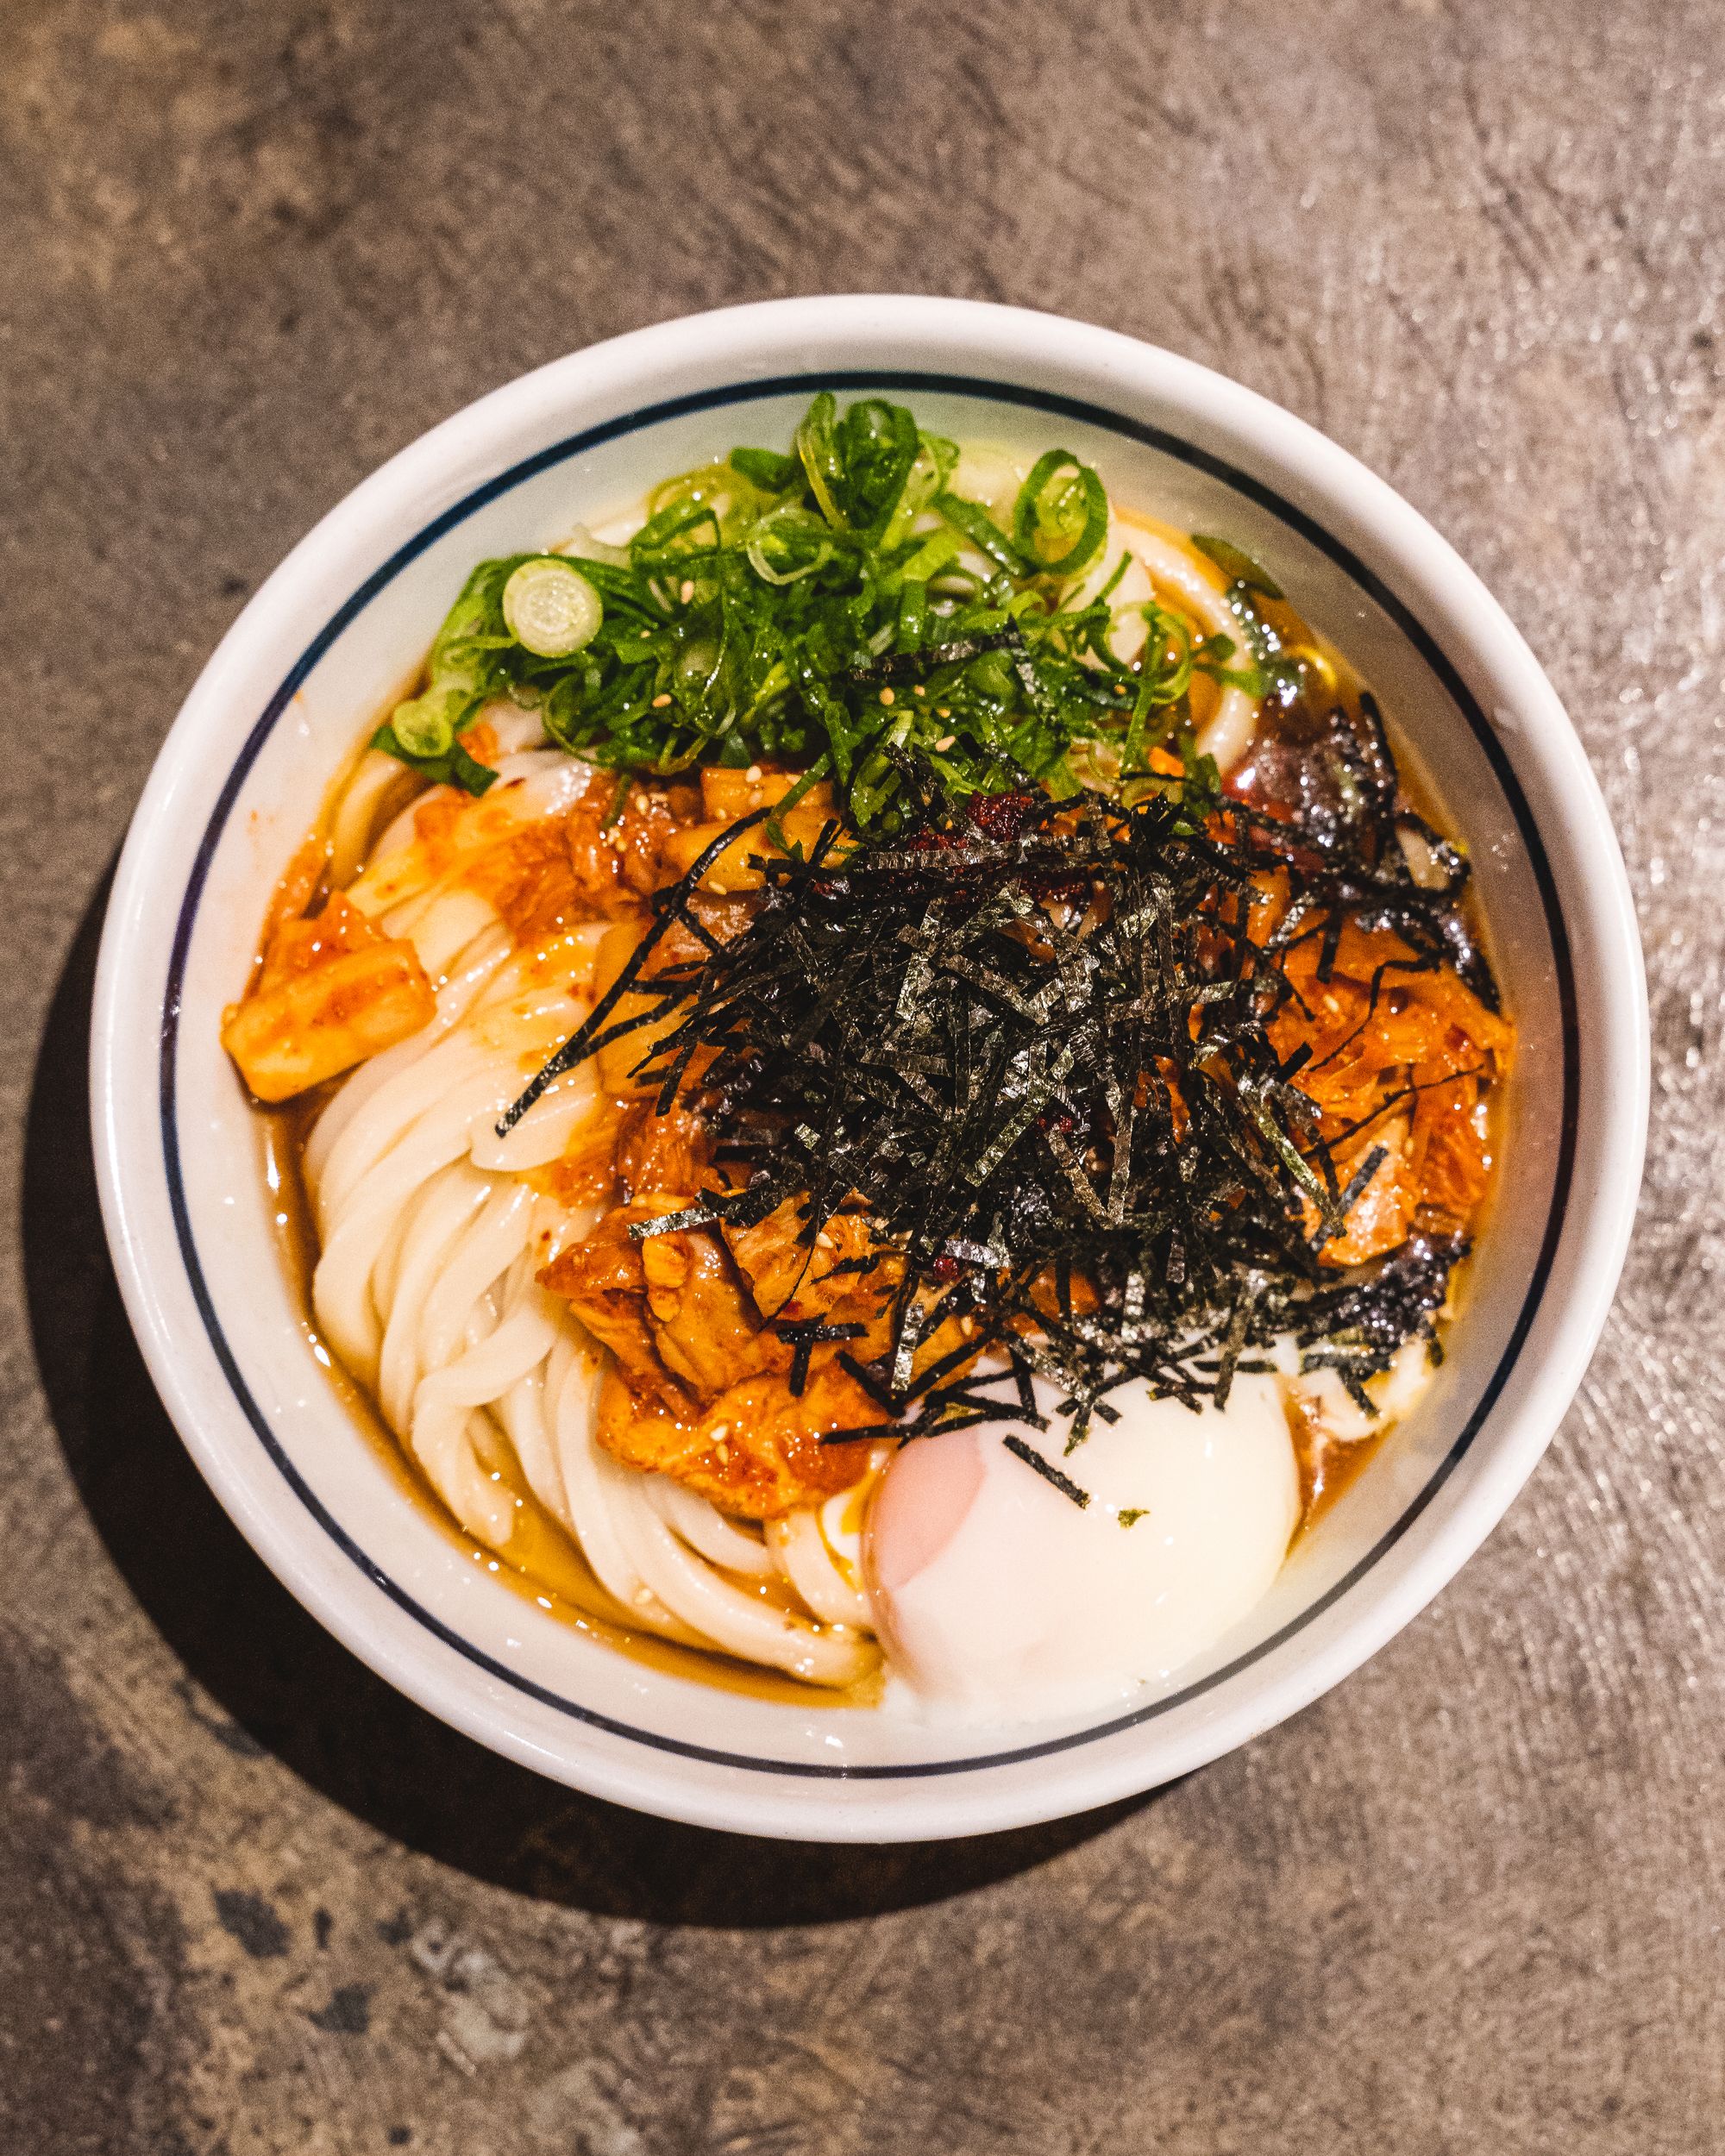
x: 249, y: 1901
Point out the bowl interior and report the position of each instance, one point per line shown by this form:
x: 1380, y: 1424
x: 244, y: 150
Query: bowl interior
x: 282, y: 749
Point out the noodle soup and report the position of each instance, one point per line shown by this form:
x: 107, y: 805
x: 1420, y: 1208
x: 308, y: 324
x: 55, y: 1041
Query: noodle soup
x: 888, y: 1082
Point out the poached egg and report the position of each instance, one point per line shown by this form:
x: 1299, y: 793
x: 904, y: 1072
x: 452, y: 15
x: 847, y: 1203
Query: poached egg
x: 999, y: 1598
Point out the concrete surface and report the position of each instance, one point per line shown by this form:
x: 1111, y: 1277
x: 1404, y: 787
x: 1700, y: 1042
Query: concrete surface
x: 250, y: 1901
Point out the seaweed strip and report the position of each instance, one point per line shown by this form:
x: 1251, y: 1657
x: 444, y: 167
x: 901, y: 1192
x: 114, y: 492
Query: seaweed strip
x: 1048, y: 1470
x: 1028, y: 1040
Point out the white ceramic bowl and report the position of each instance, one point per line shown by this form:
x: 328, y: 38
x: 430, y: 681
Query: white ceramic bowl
x: 338, y: 628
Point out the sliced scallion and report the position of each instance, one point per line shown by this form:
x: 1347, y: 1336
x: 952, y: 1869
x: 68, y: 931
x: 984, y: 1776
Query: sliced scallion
x: 817, y: 447
x: 769, y: 471
x: 937, y: 552
x: 983, y: 533
x: 773, y: 608
x: 550, y: 609
x: 878, y: 445
x: 1062, y: 514
x: 788, y: 543
x: 422, y: 728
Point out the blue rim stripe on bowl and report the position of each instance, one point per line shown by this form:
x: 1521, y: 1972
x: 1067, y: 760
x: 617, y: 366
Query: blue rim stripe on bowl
x: 910, y: 382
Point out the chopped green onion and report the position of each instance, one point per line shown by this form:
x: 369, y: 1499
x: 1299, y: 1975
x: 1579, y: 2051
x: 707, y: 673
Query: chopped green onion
x: 422, y: 729
x: 453, y: 767
x: 788, y: 543
x: 937, y: 552
x: 929, y: 472
x: 817, y: 447
x: 1062, y: 514
x: 878, y: 445
x: 983, y: 533
x: 676, y: 519
x: 769, y: 602
x: 719, y: 495
x: 766, y: 469
x: 550, y: 609
x: 913, y: 613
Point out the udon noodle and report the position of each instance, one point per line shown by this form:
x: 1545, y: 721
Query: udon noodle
x: 430, y: 1242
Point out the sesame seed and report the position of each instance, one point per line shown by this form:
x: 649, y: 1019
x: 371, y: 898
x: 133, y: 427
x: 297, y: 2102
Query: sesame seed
x: 825, y: 1242
x: 918, y: 690
x: 886, y: 696
x: 723, y: 890
x: 661, y: 701
x: 641, y: 803
x: 753, y: 774
x: 945, y: 742
x: 719, y: 1432
x: 688, y: 590
x: 943, y: 711
x: 645, y: 634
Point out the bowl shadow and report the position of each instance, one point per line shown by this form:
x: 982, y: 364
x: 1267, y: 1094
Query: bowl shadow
x: 263, y: 1678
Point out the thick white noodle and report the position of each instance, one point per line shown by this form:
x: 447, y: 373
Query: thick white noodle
x: 350, y: 831
x: 706, y: 1530
x: 426, y: 1287
x: 591, y: 1505
x: 742, y: 1623
x: 514, y: 727
x: 543, y: 1135
x: 384, y: 1112
x: 531, y: 763
x: 442, y: 1092
x: 450, y: 928
x: 438, y: 1432
x: 525, y: 1413
x: 799, y: 1549
x: 355, y: 1239
x: 450, y: 1201
x: 386, y: 1270
x: 487, y: 1247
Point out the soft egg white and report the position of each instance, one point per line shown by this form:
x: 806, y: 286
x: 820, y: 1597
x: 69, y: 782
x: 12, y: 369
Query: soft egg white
x: 999, y: 1599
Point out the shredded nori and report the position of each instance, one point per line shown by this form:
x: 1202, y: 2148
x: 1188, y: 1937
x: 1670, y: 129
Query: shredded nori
x: 1048, y: 1472
x: 1029, y: 1041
